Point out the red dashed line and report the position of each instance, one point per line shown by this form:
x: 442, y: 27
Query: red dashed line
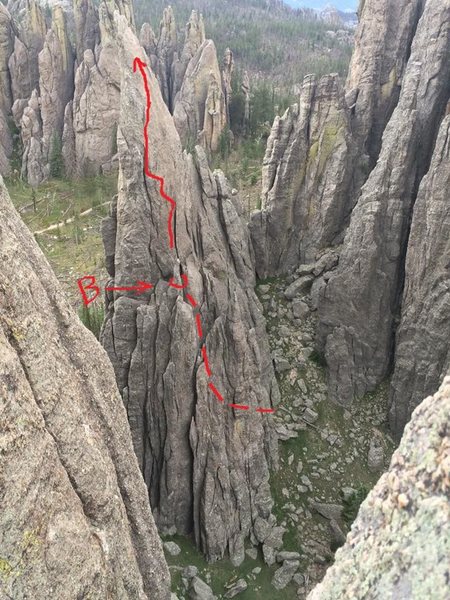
x: 178, y: 286
x: 206, y: 361
x: 215, y: 391
x: 138, y: 63
x: 198, y: 321
x: 191, y: 300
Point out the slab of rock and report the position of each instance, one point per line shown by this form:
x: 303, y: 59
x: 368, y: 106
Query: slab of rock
x: 299, y: 286
x: 421, y: 354
x: 310, y: 415
x: 238, y: 587
x: 200, y: 103
x: 284, y: 574
x: 300, y: 309
x: 306, y: 181
x: 329, y: 511
x: 375, y: 457
x: 285, y: 555
x: 338, y: 536
x: 199, y: 590
x: 172, y: 548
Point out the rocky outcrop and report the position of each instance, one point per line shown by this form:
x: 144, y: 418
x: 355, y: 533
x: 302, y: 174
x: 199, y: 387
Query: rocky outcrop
x: 89, y: 138
x: 6, y: 45
x: 227, y: 74
x: 360, y: 304
x: 74, y: 514
x: 169, y: 58
x: 306, y: 180
x: 90, y: 131
x: 205, y: 462
x: 398, y: 546
x: 165, y: 52
x: 55, y: 78
x: 422, y: 350
x: 382, y: 48
x: 87, y: 34
x: 56, y: 89
x: 200, y: 110
x: 29, y: 41
x: 245, y: 88
x: 194, y: 38
x: 34, y: 164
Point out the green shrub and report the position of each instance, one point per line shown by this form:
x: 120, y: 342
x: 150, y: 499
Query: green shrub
x: 318, y: 358
x: 56, y: 158
x: 352, y: 504
x: 92, y: 317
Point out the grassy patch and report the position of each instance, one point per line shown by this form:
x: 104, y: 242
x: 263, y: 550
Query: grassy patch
x: 74, y: 248
x: 223, y: 573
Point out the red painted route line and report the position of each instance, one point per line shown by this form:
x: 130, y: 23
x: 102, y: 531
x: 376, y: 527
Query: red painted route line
x: 139, y: 64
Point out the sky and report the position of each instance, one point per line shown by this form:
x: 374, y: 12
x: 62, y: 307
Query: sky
x: 340, y: 4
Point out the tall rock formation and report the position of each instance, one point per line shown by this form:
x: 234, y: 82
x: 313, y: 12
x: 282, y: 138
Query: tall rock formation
x: 55, y: 79
x: 227, y: 74
x: 41, y: 137
x: 74, y: 514
x: 194, y: 38
x: 28, y: 43
x: 6, y: 47
x: 206, y: 464
x: 360, y: 304
x: 87, y: 33
x: 200, y: 109
x: 90, y: 122
x: 382, y: 48
x: 422, y: 355
x: 34, y: 165
x: 306, y: 179
x: 399, y: 544
x: 165, y: 51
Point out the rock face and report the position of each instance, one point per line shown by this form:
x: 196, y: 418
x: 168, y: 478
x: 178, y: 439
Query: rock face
x: 422, y: 350
x: 34, y: 167
x: 382, y: 48
x: 6, y: 45
x: 406, y: 515
x: 47, y: 115
x: 77, y: 84
x: 205, y: 463
x: 87, y: 32
x: 200, y: 112
x: 194, y: 38
x: 227, y: 74
x: 90, y: 123
x: 29, y: 41
x: 360, y: 304
x: 307, y: 178
x: 74, y: 514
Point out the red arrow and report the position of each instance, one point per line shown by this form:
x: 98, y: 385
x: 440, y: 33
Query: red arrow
x: 140, y: 288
